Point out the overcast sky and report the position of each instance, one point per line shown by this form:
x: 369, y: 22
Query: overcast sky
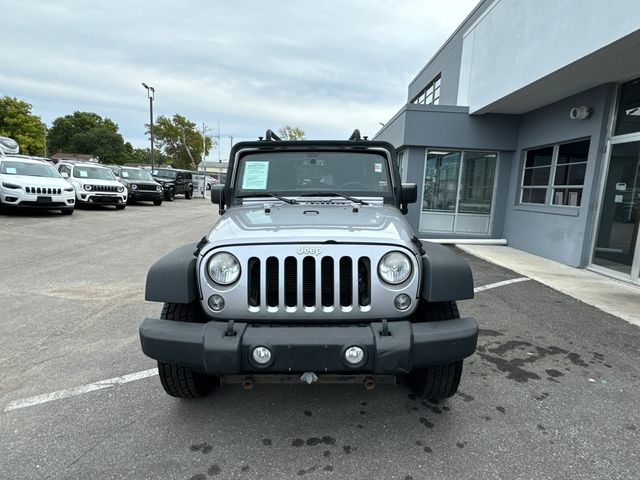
x: 326, y: 66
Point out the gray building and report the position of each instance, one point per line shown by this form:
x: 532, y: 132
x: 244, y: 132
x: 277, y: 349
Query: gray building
x: 525, y: 126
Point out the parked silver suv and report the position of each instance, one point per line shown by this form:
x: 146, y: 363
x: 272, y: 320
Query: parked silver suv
x: 311, y: 273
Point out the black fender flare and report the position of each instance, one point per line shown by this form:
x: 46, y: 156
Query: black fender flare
x: 173, y: 279
x: 445, y: 275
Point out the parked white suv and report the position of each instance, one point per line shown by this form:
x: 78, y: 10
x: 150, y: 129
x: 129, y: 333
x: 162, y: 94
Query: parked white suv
x: 94, y: 184
x: 32, y: 183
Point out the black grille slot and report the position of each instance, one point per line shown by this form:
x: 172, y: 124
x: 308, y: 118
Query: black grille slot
x: 146, y: 187
x: 253, y: 282
x: 309, y: 281
x: 290, y: 281
x: 104, y: 188
x: 364, y: 281
x: 327, y: 281
x: 272, y: 282
x: 346, y: 281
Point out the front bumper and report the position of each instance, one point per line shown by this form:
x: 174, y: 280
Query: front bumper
x: 146, y: 195
x: 211, y: 349
x: 100, y: 198
x: 19, y: 198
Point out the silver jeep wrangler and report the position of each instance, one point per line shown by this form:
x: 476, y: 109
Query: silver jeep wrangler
x: 310, y: 274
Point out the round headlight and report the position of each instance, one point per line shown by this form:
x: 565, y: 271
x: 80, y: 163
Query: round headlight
x: 159, y: 188
x: 134, y: 186
x: 224, y: 268
x: 394, y: 268
x: 87, y: 187
x: 120, y: 189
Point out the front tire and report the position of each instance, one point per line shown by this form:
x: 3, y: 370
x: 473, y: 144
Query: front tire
x: 179, y: 381
x: 171, y: 194
x: 437, y: 381
x: 66, y: 211
x: 158, y: 202
x: 120, y: 207
x: 188, y: 194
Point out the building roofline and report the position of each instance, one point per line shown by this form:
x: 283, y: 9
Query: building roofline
x: 462, y: 24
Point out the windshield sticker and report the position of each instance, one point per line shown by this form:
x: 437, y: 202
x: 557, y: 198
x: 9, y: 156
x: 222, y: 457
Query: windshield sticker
x: 125, y: 174
x: 377, y: 167
x: 11, y: 170
x: 83, y: 173
x: 258, y: 217
x: 255, y: 175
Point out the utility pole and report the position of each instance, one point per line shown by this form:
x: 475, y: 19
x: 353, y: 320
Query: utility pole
x: 204, y: 159
x: 45, y: 138
x: 219, y: 156
x: 151, y: 93
x: 230, y: 143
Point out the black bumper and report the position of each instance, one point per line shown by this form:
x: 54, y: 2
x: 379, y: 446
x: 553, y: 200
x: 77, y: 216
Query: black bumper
x: 207, y: 347
x: 146, y: 195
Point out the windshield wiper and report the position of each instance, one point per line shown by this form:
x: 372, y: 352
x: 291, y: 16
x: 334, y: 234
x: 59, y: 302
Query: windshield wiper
x: 290, y: 201
x: 334, y: 194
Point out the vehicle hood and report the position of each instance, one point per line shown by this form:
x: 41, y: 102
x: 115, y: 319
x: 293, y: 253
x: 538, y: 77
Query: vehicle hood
x: 29, y: 181
x: 97, y: 181
x: 310, y: 223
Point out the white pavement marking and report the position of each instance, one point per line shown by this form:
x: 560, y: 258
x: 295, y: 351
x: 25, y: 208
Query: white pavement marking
x: 72, y: 392
x: 500, y: 284
x: 132, y: 377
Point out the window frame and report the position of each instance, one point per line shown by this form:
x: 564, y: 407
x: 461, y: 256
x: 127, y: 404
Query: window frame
x: 432, y: 90
x: 551, y: 185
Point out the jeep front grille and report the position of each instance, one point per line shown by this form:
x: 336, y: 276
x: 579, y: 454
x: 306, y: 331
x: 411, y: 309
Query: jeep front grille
x: 147, y: 188
x: 282, y: 289
x: 103, y: 188
x: 43, y: 190
x: 335, y: 282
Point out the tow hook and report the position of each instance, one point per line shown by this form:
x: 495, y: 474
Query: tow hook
x: 309, y: 377
x: 369, y: 383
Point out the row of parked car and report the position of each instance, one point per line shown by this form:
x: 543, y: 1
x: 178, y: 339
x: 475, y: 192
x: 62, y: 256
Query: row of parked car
x: 33, y: 182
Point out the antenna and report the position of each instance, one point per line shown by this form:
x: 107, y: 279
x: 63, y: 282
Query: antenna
x: 355, y: 136
x: 271, y: 136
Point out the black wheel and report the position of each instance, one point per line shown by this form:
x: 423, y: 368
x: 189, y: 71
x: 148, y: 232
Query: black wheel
x: 120, y: 207
x: 66, y: 211
x: 171, y: 194
x: 158, y: 202
x: 179, y: 381
x: 437, y: 381
x: 189, y: 193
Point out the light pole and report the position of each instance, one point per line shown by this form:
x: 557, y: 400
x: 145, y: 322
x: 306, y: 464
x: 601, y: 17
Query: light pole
x: 151, y: 93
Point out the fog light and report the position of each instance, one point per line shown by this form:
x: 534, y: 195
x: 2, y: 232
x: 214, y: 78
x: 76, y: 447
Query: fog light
x: 261, y: 355
x: 216, y: 302
x: 402, y: 301
x: 354, y: 355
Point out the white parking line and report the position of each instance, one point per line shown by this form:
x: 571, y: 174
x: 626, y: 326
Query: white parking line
x: 500, y: 284
x: 72, y: 392
x: 112, y: 382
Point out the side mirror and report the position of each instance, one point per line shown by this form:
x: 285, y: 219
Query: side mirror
x: 217, y: 196
x: 65, y: 175
x: 409, y: 193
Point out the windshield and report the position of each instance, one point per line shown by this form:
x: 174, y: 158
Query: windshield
x: 165, y: 174
x: 95, y: 173
x: 134, y: 174
x: 305, y: 173
x: 12, y: 167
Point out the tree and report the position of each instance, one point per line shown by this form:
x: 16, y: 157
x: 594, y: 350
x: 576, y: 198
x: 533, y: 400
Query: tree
x: 291, y: 133
x: 17, y: 122
x: 63, y: 129
x: 179, y: 138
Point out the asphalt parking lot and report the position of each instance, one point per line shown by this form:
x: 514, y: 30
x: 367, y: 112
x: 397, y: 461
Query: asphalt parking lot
x: 551, y: 393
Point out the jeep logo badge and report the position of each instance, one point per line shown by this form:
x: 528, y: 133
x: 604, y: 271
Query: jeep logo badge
x: 309, y: 251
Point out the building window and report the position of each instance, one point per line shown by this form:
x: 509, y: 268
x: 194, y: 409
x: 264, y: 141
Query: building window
x: 566, y: 164
x: 628, y: 117
x: 430, y: 95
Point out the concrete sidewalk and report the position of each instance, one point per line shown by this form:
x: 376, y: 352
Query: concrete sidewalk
x: 607, y: 294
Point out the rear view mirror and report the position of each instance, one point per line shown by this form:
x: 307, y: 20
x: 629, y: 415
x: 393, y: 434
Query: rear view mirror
x: 217, y: 196
x: 409, y: 193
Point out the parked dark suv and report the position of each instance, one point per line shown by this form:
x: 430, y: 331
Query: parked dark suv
x: 174, y: 182
x: 141, y: 186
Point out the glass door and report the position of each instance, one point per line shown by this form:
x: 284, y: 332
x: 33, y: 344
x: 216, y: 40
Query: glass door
x: 616, y: 246
x: 458, y: 192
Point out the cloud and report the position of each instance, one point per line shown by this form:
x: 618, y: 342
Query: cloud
x: 328, y: 67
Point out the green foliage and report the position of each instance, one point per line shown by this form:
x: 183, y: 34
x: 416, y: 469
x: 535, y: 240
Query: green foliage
x: 17, y: 122
x: 89, y: 133
x: 291, y: 133
x: 179, y: 139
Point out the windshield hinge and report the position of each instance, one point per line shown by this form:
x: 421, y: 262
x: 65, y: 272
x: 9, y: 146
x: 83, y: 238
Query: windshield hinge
x: 203, y: 241
x: 416, y: 241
